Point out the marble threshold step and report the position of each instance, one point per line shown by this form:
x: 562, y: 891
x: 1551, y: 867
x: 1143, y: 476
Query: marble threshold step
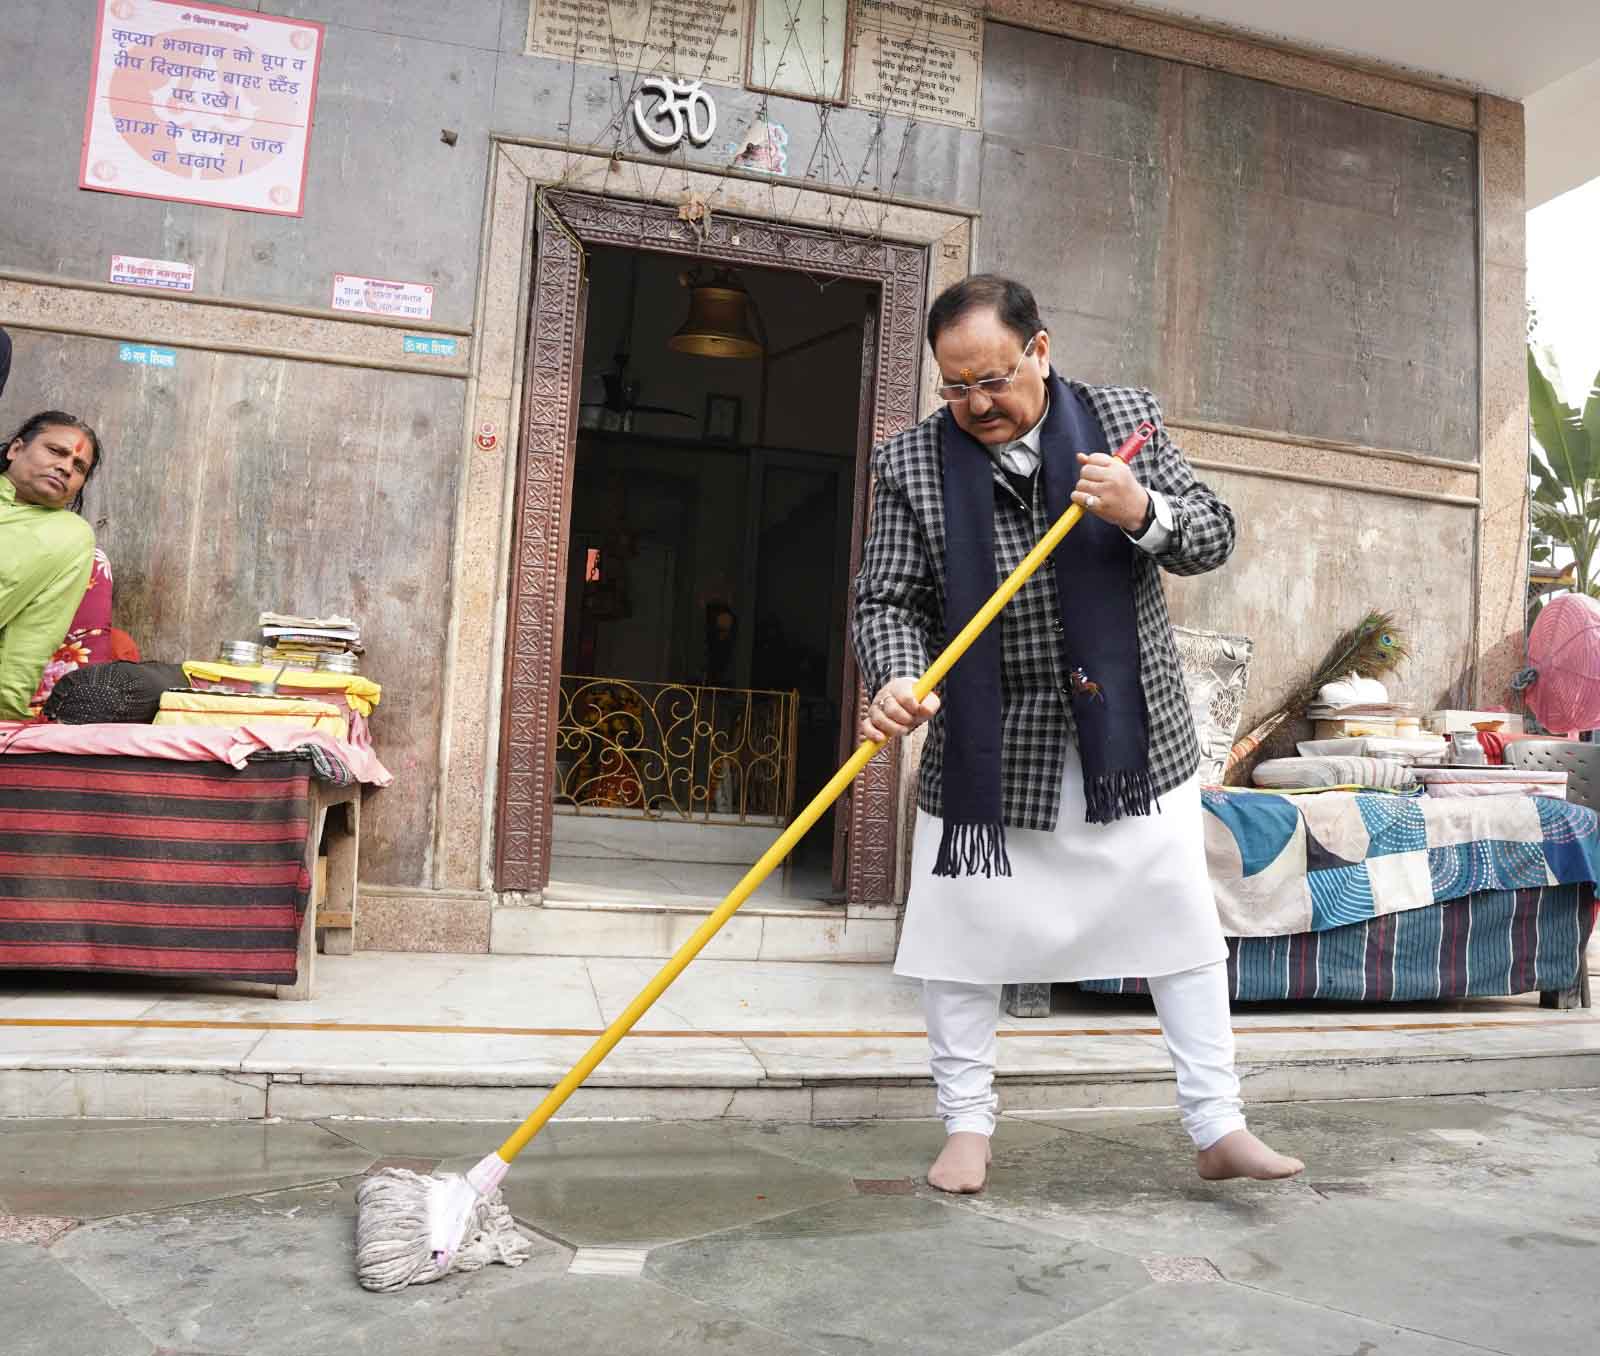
x: 588, y: 919
x: 466, y: 1038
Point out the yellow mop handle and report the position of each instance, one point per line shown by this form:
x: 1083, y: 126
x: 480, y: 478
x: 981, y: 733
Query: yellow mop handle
x: 802, y: 824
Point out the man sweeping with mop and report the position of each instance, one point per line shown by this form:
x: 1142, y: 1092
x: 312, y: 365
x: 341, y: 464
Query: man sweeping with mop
x: 926, y: 557
x: 1059, y: 835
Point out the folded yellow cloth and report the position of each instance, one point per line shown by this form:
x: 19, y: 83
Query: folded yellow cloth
x: 363, y: 693
x: 238, y: 708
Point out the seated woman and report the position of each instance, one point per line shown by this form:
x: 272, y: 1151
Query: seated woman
x: 46, y: 549
x: 91, y: 639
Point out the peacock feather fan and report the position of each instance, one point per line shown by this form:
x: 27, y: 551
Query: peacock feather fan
x: 1371, y: 648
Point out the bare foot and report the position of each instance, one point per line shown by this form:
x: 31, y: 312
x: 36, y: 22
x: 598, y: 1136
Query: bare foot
x: 962, y: 1165
x: 1241, y: 1154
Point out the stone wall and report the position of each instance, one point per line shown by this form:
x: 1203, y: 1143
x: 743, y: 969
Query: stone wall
x: 1351, y: 380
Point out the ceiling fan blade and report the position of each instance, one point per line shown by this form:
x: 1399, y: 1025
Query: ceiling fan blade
x: 660, y: 409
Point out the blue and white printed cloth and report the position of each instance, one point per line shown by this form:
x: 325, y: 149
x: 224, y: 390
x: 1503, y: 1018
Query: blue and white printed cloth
x: 1281, y: 865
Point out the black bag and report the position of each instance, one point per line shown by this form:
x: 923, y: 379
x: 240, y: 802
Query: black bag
x: 117, y: 693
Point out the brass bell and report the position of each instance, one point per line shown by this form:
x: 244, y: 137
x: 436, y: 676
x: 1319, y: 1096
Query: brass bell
x: 719, y: 322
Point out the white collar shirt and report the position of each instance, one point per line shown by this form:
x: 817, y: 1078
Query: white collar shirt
x: 1022, y: 458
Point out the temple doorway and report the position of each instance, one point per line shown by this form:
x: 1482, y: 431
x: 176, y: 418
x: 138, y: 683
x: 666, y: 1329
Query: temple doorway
x: 705, y: 687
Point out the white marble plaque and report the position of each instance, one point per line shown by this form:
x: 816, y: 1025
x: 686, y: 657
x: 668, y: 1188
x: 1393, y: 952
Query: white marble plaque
x: 798, y: 47
x: 689, y: 39
x: 917, y: 59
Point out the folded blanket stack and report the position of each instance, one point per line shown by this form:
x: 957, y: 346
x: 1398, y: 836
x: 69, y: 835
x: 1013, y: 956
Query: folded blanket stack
x: 1491, y: 781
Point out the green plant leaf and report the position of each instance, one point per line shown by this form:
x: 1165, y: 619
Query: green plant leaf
x: 1547, y: 489
x: 1559, y: 430
x: 1591, y: 415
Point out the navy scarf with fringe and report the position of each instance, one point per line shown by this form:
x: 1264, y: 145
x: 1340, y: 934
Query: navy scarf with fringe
x: 1100, y: 643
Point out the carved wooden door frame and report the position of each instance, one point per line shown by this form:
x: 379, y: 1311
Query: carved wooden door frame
x: 564, y: 223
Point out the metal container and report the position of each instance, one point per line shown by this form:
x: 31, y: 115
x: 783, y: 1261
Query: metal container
x: 244, y: 652
x: 343, y: 662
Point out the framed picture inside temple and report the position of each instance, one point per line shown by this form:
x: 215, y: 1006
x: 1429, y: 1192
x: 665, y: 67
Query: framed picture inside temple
x: 800, y: 48
x: 722, y: 419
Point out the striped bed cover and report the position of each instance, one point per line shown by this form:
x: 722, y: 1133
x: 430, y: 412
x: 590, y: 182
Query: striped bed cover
x: 1491, y: 943
x: 146, y: 866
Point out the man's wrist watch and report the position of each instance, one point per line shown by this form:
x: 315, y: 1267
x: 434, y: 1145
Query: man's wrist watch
x: 1149, y: 516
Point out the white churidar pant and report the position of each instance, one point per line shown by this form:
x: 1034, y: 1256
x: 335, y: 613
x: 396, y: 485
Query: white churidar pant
x: 1191, y: 1005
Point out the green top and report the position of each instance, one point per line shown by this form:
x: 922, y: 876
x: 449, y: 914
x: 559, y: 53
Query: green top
x: 45, y: 558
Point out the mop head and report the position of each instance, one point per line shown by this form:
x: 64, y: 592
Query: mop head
x: 412, y: 1229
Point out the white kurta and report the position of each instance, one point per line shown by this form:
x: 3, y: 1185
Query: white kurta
x: 1089, y: 901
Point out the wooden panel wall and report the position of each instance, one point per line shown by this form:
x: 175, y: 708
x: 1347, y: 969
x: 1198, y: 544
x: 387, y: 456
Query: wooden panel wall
x: 235, y: 483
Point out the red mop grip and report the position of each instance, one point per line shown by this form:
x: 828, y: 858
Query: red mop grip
x: 1136, y: 440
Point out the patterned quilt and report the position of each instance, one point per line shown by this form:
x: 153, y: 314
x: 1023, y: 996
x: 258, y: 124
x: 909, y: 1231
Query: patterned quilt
x: 1289, y: 864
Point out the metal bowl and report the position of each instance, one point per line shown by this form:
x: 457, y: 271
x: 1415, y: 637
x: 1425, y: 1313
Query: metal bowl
x: 239, y: 652
x: 337, y: 663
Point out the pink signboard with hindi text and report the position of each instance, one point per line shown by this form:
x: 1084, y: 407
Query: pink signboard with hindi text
x: 198, y: 103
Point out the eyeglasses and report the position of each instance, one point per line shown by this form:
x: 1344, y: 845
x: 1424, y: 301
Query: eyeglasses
x: 955, y: 392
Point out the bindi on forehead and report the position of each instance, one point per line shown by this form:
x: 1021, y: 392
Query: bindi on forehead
x: 72, y: 443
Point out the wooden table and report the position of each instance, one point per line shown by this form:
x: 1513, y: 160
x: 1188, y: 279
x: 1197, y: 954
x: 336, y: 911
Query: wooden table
x: 333, y: 842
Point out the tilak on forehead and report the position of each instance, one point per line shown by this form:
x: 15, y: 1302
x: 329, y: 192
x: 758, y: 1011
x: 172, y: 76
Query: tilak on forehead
x: 966, y: 374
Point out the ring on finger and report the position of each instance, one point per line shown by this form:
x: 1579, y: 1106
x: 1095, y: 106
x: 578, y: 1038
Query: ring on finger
x: 1093, y: 501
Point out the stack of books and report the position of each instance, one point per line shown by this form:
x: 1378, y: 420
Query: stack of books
x: 1364, y: 718
x: 310, y: 642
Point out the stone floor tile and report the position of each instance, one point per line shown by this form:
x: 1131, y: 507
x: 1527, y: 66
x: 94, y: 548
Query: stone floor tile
x: 1227, y: 1318
x: 41, y: 1229
x: 1334, y: 1143
x: 624, y: 1262
x: 897, y: 1274
x: 1517, y: 1287
x: 274, y: 1275
x: 49, y: 1312
x: 906, y: 1058
x: 88, y: 1173
x: 1551, y: 1106
x: 425, y: 1139
x: 1165, y: 1269
x: 1135, y: 1200
x: 446, y: 990
x: 23, y: 1125
x: 1427, y: 1223
x: 446, y: 1060
x: 44, y: 993
x: 880, y: 1148
x: 635, y: 1184
x: 885, y: 1186
x: 59, y: 1047
x: 578, y: 1315
x: 764, y: 995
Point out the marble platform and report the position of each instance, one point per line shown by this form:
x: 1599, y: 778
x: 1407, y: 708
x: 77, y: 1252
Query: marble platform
x: 449, y: 1037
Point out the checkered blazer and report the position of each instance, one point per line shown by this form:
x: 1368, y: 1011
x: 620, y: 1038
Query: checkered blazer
x: 898, y: 624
